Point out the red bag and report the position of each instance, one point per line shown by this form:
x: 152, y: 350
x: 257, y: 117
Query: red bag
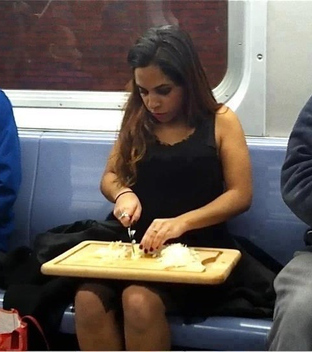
x: 14, y: 330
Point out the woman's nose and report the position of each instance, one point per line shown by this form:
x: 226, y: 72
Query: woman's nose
x: 153, y: 104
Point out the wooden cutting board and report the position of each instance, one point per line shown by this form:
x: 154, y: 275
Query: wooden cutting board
x: 86, y: 260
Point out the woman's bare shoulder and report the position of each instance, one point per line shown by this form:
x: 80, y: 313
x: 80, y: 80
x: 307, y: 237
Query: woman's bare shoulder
x: 224, y: 112
x: 225, y: 116
x: 227, y: 123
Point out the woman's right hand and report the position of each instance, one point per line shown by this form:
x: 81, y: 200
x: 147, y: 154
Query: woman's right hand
x: 128, y: 209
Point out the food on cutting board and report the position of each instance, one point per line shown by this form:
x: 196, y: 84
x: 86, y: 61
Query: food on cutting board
x: 170, y: 256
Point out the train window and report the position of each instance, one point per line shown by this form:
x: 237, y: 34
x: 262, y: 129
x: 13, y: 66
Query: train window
x: 82, y: 45
x: 72, y: 54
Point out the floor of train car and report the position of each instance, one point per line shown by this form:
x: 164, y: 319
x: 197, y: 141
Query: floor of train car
x: 68, y: 342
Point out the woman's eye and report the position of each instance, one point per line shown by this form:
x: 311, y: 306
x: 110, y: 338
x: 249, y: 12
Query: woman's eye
x: 164, y: 91
x: 142, y: 92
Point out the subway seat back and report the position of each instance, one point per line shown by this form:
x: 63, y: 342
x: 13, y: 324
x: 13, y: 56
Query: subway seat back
x: 61, y: 177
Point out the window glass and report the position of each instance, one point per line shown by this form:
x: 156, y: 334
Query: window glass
x: 80, y: 45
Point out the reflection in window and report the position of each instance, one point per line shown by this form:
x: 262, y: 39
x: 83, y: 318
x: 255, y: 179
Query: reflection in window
x: 82, y: 45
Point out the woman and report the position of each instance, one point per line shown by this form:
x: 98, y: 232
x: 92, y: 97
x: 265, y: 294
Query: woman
x: 179, y: 169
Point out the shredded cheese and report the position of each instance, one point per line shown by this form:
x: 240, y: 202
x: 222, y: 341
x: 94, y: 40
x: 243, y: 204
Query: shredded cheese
x: 171, y: 256
x: 179, y: 255
x: 114, y: 251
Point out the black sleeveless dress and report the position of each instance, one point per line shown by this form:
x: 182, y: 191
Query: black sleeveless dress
x: 174, y: 179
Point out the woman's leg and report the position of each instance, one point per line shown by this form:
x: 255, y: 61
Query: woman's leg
x: 96, y: 325
x: 145, y: 323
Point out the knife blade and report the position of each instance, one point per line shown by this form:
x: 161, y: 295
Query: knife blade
x: 131, y: 237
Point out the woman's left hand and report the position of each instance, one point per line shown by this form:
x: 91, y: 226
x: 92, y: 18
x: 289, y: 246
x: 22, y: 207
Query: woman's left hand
x: 160, y: 231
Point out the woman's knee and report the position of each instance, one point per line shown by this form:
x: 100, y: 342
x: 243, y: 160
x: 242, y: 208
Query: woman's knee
x: 93, y: 300
x: 141, y: 306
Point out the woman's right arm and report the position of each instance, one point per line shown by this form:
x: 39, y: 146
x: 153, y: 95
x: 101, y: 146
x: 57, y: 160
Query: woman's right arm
x: 111, y: 188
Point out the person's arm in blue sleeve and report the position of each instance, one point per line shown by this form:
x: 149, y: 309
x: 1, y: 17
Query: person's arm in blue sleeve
x: 10, y: 169
x: 296, y: 174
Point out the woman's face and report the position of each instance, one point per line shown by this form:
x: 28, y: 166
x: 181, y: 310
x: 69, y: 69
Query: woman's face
x: 161, y: 96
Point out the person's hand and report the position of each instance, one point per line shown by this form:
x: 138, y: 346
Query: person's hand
x: 128, y: 209
x: 160, y: 231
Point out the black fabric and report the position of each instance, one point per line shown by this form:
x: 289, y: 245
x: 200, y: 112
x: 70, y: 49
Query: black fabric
x: 175, y: 179
x: 248, y: 292
x: 259, y: 254
x: 249, y: 289
x: 54, y: 242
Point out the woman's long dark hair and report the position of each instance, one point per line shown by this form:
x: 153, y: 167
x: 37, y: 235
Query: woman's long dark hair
x: 172, y: 50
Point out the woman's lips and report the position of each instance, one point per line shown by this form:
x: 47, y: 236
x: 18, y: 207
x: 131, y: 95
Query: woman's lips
x: 159, y: 116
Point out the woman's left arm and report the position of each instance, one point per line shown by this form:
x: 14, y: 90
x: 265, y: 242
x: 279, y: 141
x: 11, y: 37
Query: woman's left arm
x: 234, y: 156
x: 235, y: 160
